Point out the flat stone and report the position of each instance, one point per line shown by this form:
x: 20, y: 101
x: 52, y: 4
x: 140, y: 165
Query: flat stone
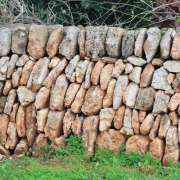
x: 25, y: 95
x: 69, y: 44
x: 14, y: 113
x: 81, y: 43
x: 7, y: 87
x: 22, y: 60
x: 176, y: 83
x: 174, y: 117
x: 22, y: 147
x: 142, y: 115
x: 136, y: 61
x: 175, y: 50
x: 118, y: 68
x: 135, y: 75
x: 128, y: 68
x: 170, y: 78
x: 88, y: 75
x: 170, y: 92
x: 147, y: 124
x: 11, y: 65
x: 3, y: 68
x: 145, y: 99
x: 135, y: 122
x: 3, y: 100
x: 38, y: 36
x: 59, y: 142
x: 16, y: 76
x: 172, y: 66
x: 54, y: 62
x: 109, y: 60
x: 146, y: 76
x: 157, y: 62
x: 3, y: 151
x: 4, y: 121
x: 121, y: 85
x: 152, y: 43
x: 174, y: 102
x: 113, y: 41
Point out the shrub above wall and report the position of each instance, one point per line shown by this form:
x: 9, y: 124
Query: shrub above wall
x: 110, y: 85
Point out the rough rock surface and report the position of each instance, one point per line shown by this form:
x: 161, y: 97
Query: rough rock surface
x: 174, y: 102
x: 22, y: 147
x: 136, y: 61
x: 3, y: 100
x: 4, y: 120
x: 22, y: 60
x: 147, y: 124
x: 14, y: 112
x: 157, y: 62
x: 16, y: 76
x: 175, y: 50
x: 135, y: 75
x: 135, y: 122
x: 3, y: 68
x: 174, y: 117
x: 142, y: 115
x: 81, y: 43
x: 7, y: 87
x: 128, y: 68
x: 118, y: 68
x: 88, y: 75
x: 176, y: 83
x: 59, y: 142
x: 170, y: 78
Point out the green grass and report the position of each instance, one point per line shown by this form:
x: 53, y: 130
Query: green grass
x: 72, y: 163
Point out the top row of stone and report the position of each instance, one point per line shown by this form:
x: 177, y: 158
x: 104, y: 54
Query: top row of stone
x: 89, y: 42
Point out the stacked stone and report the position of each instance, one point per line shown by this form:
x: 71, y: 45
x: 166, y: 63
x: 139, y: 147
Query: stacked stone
x: 99, y: 82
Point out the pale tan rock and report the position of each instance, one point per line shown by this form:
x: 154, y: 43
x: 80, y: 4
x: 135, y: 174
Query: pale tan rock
x: 59, y: 142
x: 175, y: 52
x: 58, y: 92
x: 81, y: 69
x: 38, y: 36
x: 118, y: 68
x: 110, y: 140
x: 135, y: 122
x: 12, y: 136
x: 90, y: 132
x: 79, y: 99
x: 81, y: 43
x: 22, y: 147
x: 105, y: 76
x: 54, y: 62
x: 16, y: 76
x: 147, y: 124
x: 77, y: 125
x: 127, y: 122
x: 3, y: 151
x: 71, y: 93
x: 42, y: 98
x: 129, y: 97
x: 152, y: 43
x: 69, y: 44
x: 135, y: 75
x: 3, y: 100
x: 138, y: 50
x: 11, y: 65
x: 42, y: 118
x: 176, y: 83
x: 95, y: 74
x: 120, y: 88
x: 161, y: 102
x: 38, y: 74
x: 170, y: 78
x: 68, y: 120
x: 4, y: 121
x: 170, y: 92
x: 108, y: 98
x: 93, y: 100
x: 10, y: 101
x: 165, y: 124
x: 31, y: 132
x: 26, y: 72
x: 174, y: 102
x: 136, y: 61
x: 119, y: 117
x: 73, y: 77
x: 157, y: 62
x: 172, y: 66
x: 21, y: 121
x: 174, y: 117
x: 14, y: 112
x: 54, y: 125
x: 7, y: 87
x: 137, y: 143
x: 155, y: 127
x: 53, y: 75
x: 3, y: 68
x: 106, y: 117
x: 146, y: 76
x: 22, y: 60
x: 128, y: 68
x: 142, y: 115
x: 88, y: 75
x: 157, y: 148
x: 53, y: 42
x: 25, y: 95
x: 109, y: 60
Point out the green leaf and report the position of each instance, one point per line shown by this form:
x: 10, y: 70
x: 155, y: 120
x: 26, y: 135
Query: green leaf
x: 178, y: 19
x: 123, y: 147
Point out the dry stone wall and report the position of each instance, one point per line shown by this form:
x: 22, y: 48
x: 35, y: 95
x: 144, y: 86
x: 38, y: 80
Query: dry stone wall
x: 99, y: 82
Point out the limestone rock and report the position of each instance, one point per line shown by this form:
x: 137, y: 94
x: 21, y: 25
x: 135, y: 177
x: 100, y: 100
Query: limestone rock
x: 138, y: 143
x: 135, y: 122
x: 146, y: 76
x: 176, y: 83
x: 105, y: 76
x: 174, y: 102
x: 42, y: 98
x: 88, y: 75
x: 25, y: 95
x: 3, y: 100
x: 19, y: 40
x: 147, y: 124
x: 54, y: 125
x: 14, y: 112
x: 81, y: 43
x: 90, y: 132
x: 7, y: 87
x: 175, y: 50
x: 174, y: 117
x: 38, y: 74
x: 113, y: 41
x: 145, y: 99
x: 3, y: 151
x: 58, y: 92
x: 121, y: 85
x: 172, y: 66
x: 59, y: 142
x: 136, y: 61
x: 53, y: 42
x: 22, y: 60
x: 69, y: 44
x: 108, y: 98
x: 129, y: 97
x: 5, y: 43
x: 53, y: 75
x: 152, y: 43
x: 142, y: 115
x: 22, y: 147
x: 128, y: 68
x: 135, y: 75
x: 128, y: 43
x: 42, y: 119
x: 118, y: 68
x: 38, y: 36
x: 4, y: 121
x: 16, y: 76
x: 11, y: 65
x: 93, y: 100
x: 169, y: 92
x: 95, y: 41
x: 160, y: 79
x: 3, y: 68
x: 157, y: 62
x: 170, y: 78
x: 109, y: 60
x: 54, y: 62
